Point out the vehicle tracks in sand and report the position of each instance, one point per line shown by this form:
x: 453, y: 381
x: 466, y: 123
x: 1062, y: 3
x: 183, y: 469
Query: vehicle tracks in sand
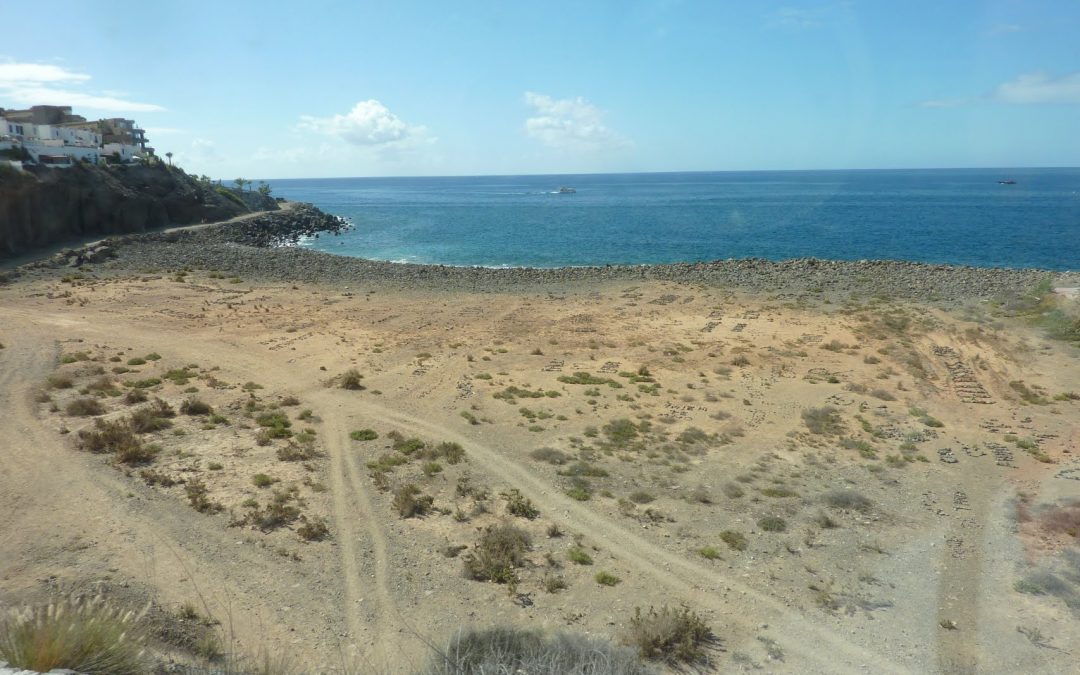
x: 817, y: 649
x: 827, y: 651
x: 352, y: 503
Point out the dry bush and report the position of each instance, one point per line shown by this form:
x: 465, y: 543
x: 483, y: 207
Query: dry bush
x: 147, y: 419
x: 85, y: 407
x: 674, y: 635
x: 116, y: 437
x: 350, y: 380
x: 195, y: 406
x: 550, y: 455
x: 313, y: 529
x: 823, y: 421
x: 411, y: 502
x: 504, y: 650
x: 1064, y: 519
x: 60, y: 382
x: 500, y: 550
x: 86, y: 636
x: 848, y: 500
x: 133, y: 396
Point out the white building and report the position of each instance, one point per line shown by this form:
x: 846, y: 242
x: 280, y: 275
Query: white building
x: 72, y: 136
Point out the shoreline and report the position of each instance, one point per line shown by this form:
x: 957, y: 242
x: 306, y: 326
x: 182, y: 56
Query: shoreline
x: 252, y: 247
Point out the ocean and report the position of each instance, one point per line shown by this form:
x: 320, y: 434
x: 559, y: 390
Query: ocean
x: 957, y: 216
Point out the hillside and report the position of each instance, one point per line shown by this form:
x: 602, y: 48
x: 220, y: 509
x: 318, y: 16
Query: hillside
x: 44, y: 206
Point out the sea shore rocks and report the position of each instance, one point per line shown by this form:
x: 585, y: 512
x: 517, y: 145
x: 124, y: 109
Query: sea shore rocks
x: 258, y: 249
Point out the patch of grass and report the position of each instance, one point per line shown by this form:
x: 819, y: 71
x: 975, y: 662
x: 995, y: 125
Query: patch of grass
x: 275, y: 424
x: 280, y: 511
x: 772, y: 524
x: 74, y: 357
x: 588, y: 379
x: 86, y: 636
x: 550, y: 455
x: 736, y: 540
x: 641, y: 497
x: 1027, y: 394
x: 199, y: 497
x: 708, y: 552
x: 144, y: 383
x: 498, y: 553
x: 823, y: 421
x: 505, y: 650
x: 605, y: 578
x: 469, y: 417
x: 363, y: 435
x: 261, y: 480
x: 511, y: 393
x: 778, y: 492
x: 579, y: 556
x: 673, y: 635
x: 583, y: 469
x: 733, y: 491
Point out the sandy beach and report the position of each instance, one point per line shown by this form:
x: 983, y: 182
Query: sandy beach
x: 843, y: 467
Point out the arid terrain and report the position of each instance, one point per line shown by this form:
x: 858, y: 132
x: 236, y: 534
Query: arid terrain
x: 834, y: 483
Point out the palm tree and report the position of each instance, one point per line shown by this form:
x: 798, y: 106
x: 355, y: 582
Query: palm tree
x: 169, y: 155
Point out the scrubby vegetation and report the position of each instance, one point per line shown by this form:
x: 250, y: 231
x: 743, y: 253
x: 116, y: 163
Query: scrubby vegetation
x: 86, y: 636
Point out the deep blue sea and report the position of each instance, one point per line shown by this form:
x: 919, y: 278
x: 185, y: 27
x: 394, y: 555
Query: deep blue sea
x: 961, y: 216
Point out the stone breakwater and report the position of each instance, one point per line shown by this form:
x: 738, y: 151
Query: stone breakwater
x: 252, y: 249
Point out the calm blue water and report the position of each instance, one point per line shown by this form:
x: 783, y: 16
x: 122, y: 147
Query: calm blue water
x: 941, y: 216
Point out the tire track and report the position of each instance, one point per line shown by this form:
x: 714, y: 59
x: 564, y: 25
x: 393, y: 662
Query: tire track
x: 351, y: 501
x: 826, y: 650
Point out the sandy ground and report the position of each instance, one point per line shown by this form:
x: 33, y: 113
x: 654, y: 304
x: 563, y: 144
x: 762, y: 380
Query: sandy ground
x: 692, y: 423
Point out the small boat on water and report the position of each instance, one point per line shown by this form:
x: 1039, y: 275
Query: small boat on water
x: 1008, y: 181
x: 567, y: 190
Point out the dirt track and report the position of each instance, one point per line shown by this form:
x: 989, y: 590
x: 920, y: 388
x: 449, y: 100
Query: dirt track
x: 68, y: 514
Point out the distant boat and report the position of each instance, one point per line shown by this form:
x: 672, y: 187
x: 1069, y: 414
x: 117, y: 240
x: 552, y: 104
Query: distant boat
x: 567, y: 190
x: 1010, y: 181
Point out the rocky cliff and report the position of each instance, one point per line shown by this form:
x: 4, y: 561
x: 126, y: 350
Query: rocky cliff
x: 43, y: 206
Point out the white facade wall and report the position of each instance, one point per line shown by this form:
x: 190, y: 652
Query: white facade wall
x: 56, y: 147
x: 127, y: 152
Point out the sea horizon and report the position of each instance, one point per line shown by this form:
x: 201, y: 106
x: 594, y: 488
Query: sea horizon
x: 937, y: 216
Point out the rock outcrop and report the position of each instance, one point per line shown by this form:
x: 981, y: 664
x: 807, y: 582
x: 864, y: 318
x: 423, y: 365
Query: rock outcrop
x: 44, y: 206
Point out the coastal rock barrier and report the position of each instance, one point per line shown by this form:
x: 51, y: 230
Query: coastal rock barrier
x: 258, y: 249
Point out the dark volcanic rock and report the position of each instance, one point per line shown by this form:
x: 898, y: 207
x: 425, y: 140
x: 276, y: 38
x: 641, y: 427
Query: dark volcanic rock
x: 44, y: 206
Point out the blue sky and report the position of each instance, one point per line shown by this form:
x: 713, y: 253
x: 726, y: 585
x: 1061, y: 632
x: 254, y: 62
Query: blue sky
x: 276, y: 90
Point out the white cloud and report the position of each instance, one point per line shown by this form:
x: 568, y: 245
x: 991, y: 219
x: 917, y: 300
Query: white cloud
x: 792, y: 18
x: 945, y: 102
x: 48, y: 84
x: 1040, y: 88
x: 1004, y: 29
x: 569, y: 123
x: 369, y: 124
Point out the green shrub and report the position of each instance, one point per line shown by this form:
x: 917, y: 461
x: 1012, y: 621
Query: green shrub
x: 363, y: 435
x: 772, y: 524
x: 579, y: 556
x: 519, y: 505
x: 261, y: 480
x: 549, y: 455
x: 314, y: 529
x: 736, y: 540
x: 709, y: 553
x: 605, y: 578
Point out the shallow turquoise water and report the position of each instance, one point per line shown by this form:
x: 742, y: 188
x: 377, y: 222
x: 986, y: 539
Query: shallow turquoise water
x: 947, y: 216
